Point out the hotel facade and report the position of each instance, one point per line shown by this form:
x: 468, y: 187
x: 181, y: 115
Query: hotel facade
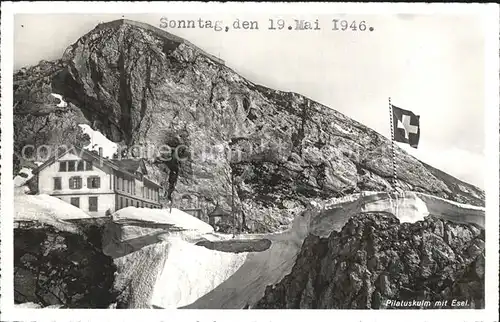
x: 95, y: 184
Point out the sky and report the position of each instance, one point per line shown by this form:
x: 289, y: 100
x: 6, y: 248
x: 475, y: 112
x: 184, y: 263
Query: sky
x: 432, y: 65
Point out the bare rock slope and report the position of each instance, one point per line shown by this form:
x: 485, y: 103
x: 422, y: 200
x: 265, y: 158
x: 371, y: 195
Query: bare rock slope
x: 140, y: 85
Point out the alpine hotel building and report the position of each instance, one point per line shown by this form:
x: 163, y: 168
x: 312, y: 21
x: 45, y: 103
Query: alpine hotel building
x: 96, y: 184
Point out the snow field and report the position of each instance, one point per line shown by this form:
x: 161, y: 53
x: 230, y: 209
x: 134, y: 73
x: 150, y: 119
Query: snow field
x: 159, y: 265
x: 176, y: 217
x: 19, y: 180
x: 46, y: 209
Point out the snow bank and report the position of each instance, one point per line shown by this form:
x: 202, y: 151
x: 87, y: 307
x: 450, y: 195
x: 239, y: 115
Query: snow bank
x: 46, y: 209
x: 260, y: 269
x: 407, y: 207
x: 192, y: 271
x: 31, y: 305
x: 20, y: 180
x: 165, y: 269
x: 28, y: 305
x: 132, y: 229
x: 247, y: 285
x: 62, y: 103
x: 137, y: 272
x: 98, y: 140
x: 341, y: 129
x: 175, y: 217
x: 453, y: 211
x: 22, y: 190
x: 34, y: 207
x: 158, y: 263
x: 414, y: 206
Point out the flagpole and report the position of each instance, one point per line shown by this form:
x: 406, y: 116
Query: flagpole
x: 392, y: 145
x: 232, y: 204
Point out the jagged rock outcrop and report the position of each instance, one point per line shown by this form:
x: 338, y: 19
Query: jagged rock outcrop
x: 374, y: 259
x: 39, y: 123
x: 63, y: 268
x: 141, y: 86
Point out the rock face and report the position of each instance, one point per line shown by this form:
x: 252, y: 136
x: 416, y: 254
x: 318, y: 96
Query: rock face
x: 208, y: 129
x: 374, y: 259
x: 39, y: 123
x: 66, y: 269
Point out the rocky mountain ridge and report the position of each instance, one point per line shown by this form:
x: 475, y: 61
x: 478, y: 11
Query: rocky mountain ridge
x: 376, y: 262
x: 141, y: 86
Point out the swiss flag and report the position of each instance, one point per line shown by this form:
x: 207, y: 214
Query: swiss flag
x: 406, y: 126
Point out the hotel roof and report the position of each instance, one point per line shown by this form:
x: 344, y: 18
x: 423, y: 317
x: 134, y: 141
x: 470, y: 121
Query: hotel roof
x: 127, y: 166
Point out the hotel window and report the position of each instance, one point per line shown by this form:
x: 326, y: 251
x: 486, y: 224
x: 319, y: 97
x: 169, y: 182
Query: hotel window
x: 88, y: 165
x: 75, y: 201
x: 80, y: 166
x: 75, y: 183
x: 62, y: 166
x: 71, y: 165
x: 137, y: 204
x: 93, y: 182
x: 121, y: 202
x: 57, y: 184
x: 126, y: 202
x: 93, y: 204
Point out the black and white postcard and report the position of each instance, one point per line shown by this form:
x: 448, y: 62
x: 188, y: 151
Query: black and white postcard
x: 250, y: 159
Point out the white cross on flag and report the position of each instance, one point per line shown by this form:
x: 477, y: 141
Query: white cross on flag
x: 406, y: 126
